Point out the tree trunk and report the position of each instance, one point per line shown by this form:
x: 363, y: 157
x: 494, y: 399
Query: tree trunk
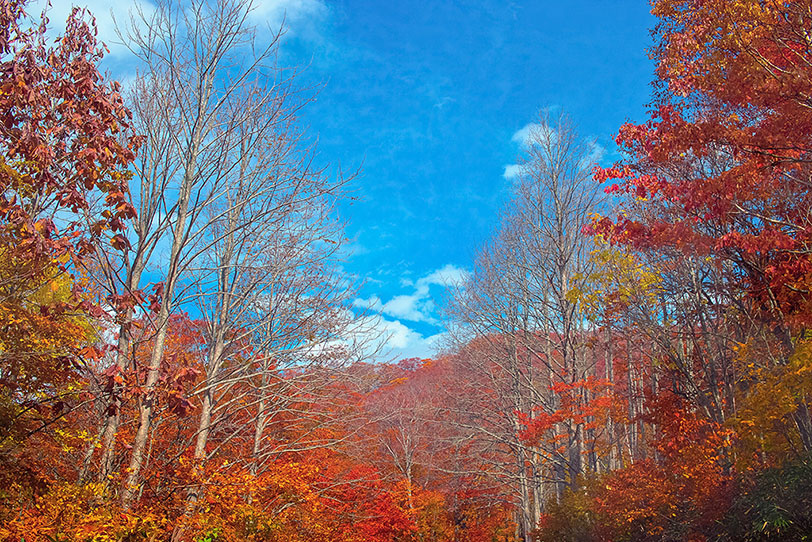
x: 147, y: 403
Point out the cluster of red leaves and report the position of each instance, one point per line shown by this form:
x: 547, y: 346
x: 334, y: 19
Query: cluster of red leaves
x: 686, y: 489
x: 65, y: 146
x: 323, y: 493
x: 65, y: 139
x: 720, y: 173
x: 683, y: 492
x: 725, y: 156
x: 582, y: 402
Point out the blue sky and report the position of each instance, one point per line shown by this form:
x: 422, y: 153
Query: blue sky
x: 429, y: 99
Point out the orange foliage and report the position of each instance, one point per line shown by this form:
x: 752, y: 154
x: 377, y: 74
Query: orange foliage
x: 685, y: 490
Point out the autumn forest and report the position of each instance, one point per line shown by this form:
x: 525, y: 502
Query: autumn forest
x: 628, y: 358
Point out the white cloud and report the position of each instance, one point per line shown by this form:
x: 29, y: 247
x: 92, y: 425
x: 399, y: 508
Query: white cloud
x: 448, y: 275
x: 297, y: 15
x: 378, y: 339
x: 418, y: 346
x: 106, y: 13
x: 386, y: 336
x: 412, y: 307
x: 522, y: 135
x: 391, y: 340
x: 372, y: 303
x: 512, y: 171
x: 418, y: 306
x: 533, y: 132
x: 397, y: 335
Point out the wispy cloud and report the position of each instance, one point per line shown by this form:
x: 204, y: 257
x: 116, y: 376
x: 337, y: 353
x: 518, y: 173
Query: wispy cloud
x: 372, y: 303
x: 512, y: 171
x: 354, y: 248
x: 108, y: 15
x: 532, y: 133
x: 299, y: 17
x: 522, y: 135
x: 448, y: 275
x: 596, y: 154
x: 442, y: 102
x: 391, y: 332
x: 386, y: 339
x: 418, y: 306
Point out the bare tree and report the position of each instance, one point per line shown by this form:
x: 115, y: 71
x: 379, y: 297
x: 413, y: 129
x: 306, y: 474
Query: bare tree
x: 267, y: 284
x: 155, y: 170
x: 517, y: 307
x: 201, y: 63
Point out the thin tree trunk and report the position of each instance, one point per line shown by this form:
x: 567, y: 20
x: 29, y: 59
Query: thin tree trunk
x: 112, y: 412
x: 147, y: 403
